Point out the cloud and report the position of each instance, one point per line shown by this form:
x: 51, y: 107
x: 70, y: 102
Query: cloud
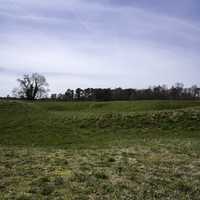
x: 97, y: 21
x: 1, y: 69
x: 102, y: 43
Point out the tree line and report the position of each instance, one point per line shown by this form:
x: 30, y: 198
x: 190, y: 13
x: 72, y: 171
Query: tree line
x: 35, y: 86
x: 107, y: 94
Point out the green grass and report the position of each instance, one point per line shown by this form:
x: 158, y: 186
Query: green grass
x: 100, y: 150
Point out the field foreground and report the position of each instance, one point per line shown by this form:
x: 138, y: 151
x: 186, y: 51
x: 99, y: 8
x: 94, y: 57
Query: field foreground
x: 116, y: 150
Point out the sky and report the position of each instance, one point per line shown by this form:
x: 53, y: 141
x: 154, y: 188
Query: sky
x: 100, y: 43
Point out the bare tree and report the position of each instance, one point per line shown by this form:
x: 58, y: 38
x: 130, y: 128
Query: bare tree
x: 31, y: 87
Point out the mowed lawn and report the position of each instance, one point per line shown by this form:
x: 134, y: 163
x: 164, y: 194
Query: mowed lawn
x: 100, y: 150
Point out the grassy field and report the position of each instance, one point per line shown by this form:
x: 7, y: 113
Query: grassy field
x: 98, y: 151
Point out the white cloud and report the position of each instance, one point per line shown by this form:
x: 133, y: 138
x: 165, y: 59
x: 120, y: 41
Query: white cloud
x: 117, y: 46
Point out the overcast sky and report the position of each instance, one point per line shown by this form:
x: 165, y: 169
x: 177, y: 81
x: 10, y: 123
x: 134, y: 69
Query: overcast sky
x: 100, y: 43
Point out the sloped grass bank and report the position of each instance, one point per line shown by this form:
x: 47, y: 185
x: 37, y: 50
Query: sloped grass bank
x: 32, y: 124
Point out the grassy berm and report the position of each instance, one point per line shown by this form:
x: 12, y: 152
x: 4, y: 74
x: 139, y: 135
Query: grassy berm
x: 99, y: 151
